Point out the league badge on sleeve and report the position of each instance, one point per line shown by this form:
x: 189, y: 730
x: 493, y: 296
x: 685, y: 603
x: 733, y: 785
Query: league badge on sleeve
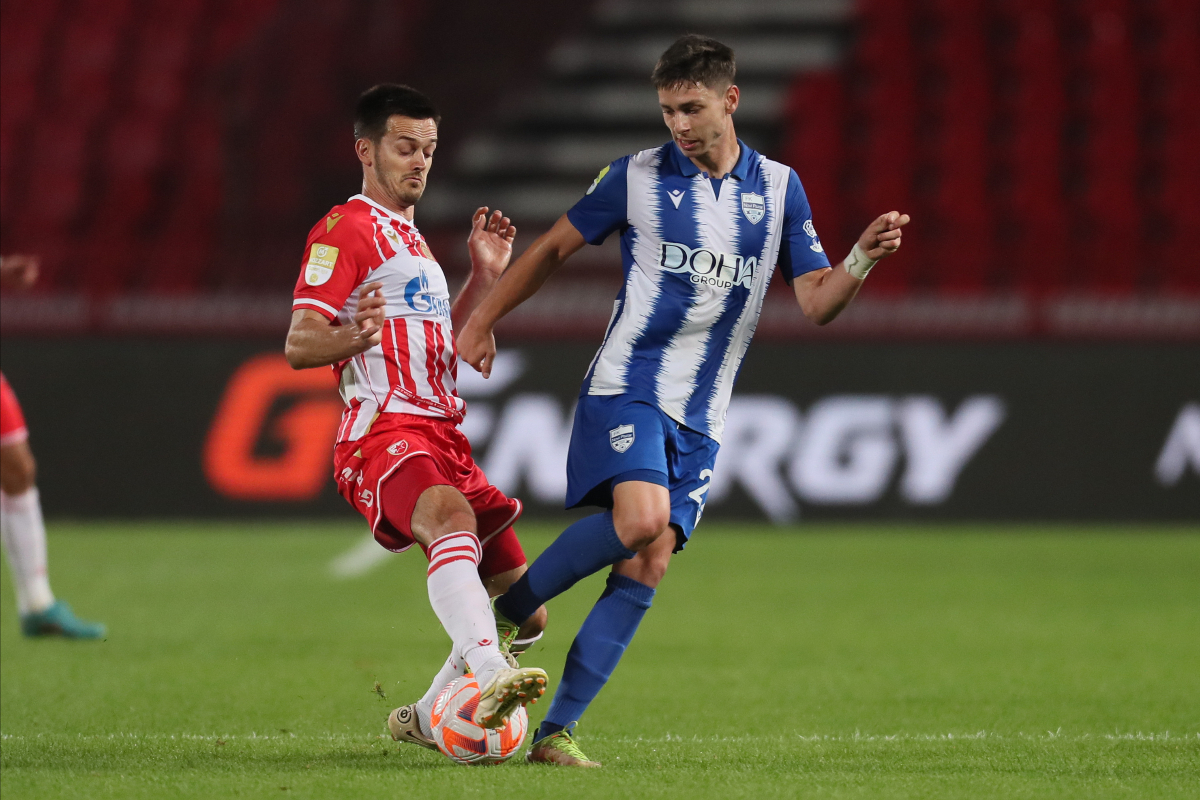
x: 753, y: 206
x: 621, y: 438
x: 320, y: 264
x: 599, y: 178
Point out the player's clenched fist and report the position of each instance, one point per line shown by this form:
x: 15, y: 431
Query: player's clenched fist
x: 882, y: 237
x: 371, y: 315
x: 879, y: 240
x: 476, y: 347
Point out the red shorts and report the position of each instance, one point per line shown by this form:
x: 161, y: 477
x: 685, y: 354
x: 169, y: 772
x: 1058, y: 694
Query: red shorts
x: 12, y: 421
x: 422, y: 452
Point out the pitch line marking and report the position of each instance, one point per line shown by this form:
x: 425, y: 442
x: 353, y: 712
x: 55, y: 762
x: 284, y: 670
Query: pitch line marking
x: 360, y: 559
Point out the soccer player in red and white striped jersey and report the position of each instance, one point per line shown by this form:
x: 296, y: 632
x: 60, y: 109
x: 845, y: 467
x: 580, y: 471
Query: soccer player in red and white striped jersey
x: 372, y: 302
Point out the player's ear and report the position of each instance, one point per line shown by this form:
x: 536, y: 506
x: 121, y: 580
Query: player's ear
x: 732, y: 96
x: 365, y: 150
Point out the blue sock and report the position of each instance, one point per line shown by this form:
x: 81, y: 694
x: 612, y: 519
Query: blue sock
x: 586, y: 547
x: 598, y: 647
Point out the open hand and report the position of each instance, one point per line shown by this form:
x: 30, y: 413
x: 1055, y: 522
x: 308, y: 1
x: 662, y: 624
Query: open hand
x: 371, y: 314
x: 476, y: 347
x: 882, y: 237
x: 490, y: 242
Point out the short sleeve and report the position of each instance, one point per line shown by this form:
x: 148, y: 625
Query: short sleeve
x: 801, y: 250
x: 603, y: 209
x: 337, y: 259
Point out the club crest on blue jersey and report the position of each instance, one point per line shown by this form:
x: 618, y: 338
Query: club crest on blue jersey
x: 753, y: 206
x: 621, y: 438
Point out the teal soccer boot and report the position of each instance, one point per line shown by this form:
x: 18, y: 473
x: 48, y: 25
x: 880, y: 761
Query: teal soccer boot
x: 60, y: 620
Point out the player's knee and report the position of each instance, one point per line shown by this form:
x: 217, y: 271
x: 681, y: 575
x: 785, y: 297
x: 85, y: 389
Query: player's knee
x: 641, y: 526
x: 441, y: 510
x: 18, y: 469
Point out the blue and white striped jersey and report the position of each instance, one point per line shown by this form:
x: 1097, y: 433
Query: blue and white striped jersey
x: 697, y: 260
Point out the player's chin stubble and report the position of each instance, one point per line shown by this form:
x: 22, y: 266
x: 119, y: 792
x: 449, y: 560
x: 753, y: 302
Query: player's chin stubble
x: 404, y: 193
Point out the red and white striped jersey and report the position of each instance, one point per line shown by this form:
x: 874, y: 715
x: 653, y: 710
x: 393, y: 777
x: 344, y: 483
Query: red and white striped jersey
x: 413, y: 370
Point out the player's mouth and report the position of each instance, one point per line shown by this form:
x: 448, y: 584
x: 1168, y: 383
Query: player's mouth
x: 687, y: 145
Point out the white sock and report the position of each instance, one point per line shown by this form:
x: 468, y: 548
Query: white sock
x: 454, y: 668
x: 461, y: 603
x: 24, y: 536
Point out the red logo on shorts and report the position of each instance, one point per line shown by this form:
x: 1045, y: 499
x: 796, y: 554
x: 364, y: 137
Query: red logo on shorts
x: 485, y: 642
x: 398, y: 447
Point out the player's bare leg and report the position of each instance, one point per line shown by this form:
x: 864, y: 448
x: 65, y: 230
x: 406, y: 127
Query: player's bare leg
x: 23, y: 534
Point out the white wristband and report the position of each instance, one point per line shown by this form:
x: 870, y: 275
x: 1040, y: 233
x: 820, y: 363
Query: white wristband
x: 857, y: 263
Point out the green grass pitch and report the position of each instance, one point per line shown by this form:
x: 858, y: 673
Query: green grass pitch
x: 863, y: 662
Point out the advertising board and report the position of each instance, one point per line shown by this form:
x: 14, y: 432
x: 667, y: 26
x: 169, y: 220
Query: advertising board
x: 816, y: 430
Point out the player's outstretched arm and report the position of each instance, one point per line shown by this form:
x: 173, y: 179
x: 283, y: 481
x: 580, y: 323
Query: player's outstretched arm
x: 314, y: 341
x: 823, y: 293
x: 476, y: 344
x: 490, y: 246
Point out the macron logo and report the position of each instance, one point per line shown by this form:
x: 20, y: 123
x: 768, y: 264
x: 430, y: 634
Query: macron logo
x: 676, y: 196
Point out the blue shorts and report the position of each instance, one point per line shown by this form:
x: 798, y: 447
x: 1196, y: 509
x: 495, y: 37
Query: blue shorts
x: 616, y: 434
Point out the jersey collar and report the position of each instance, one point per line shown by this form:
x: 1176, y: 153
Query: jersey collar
x: 684, y: 166
x: 391, y: 214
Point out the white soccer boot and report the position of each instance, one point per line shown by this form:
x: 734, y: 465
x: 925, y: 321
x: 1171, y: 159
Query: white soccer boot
x: 405, y: 727
x: 509, y: 690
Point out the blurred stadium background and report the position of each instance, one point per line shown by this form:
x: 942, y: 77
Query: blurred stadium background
x: 1032, y: 353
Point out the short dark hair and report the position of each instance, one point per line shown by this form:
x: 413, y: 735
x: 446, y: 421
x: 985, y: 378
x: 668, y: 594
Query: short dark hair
x: 695, y: 59
x: 378, y: 103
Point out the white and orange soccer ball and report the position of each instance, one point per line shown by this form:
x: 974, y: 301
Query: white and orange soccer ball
x: 460, y: 739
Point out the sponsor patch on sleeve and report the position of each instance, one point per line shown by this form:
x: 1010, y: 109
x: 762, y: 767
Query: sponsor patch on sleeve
x: 321, y: 260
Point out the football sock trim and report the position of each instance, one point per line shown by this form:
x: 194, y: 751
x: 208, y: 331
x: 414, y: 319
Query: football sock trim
x: 598, y: 647
x: 585, y: 548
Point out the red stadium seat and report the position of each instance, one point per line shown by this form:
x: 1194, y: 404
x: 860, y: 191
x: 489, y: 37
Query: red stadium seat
x: 886, y: 113
x: 1035, y: 242
x: 814, y: 146
x: 1110, y: 210
x: 960, y: 259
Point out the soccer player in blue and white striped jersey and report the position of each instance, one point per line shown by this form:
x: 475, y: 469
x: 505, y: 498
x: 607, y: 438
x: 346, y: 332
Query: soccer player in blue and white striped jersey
x: 704, y: 221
